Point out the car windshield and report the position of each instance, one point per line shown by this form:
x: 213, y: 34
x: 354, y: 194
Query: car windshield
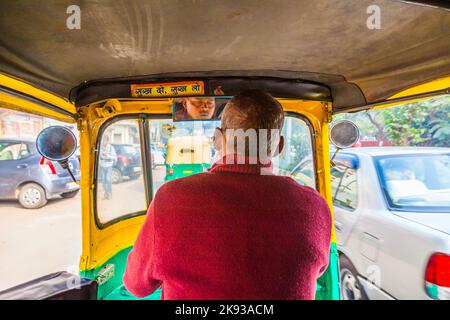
x: 416, y: 182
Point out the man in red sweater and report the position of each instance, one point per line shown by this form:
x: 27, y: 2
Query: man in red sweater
x: 237, y: 231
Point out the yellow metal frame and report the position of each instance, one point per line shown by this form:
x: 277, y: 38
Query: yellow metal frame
x: 16, y: 103
x: 435, y: 85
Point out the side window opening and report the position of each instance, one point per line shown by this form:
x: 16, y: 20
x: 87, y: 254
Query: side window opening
x: 13, y: 151
x: 40, y: 207
x: 120, y: 186
x: 24, y: 151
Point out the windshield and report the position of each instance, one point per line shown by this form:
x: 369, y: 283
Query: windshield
x: 416, y: 182
x: 188, y: 149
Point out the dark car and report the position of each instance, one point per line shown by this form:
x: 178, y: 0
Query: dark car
x: 31, y: 179
x: 128, y: 163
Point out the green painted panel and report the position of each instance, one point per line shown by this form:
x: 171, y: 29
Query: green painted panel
x: 184, y: 170
x: 113, y: 289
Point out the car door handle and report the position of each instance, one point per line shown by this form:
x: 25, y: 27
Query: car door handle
x: 338, y: 225
x: 22, y: 166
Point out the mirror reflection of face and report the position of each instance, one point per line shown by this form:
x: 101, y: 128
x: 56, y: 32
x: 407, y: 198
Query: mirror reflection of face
x: 199, y: 108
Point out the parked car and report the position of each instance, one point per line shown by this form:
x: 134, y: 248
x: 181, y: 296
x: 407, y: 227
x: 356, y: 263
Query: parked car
x: 31, y: 179
x: 128, y: 164
x: 392, y: 220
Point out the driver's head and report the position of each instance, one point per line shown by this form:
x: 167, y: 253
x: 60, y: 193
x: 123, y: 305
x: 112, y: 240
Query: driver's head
x: 251, y: 125
x: 199, y: 108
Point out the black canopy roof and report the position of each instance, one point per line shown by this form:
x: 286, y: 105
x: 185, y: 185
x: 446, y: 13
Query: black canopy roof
x: 323, y: 46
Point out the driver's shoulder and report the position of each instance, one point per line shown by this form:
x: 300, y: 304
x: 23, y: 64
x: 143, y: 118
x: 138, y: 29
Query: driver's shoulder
x: 293, y: 186
x: 184, y: 184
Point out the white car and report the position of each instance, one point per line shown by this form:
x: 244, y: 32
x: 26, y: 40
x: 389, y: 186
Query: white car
x: 392, y: 219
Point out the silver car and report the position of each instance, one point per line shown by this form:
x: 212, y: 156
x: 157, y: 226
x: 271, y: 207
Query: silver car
x: 392, y: 218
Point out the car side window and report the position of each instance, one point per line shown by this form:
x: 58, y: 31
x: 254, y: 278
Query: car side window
x: 24, y: 151
x: 13, y: 151
x: 344, y: 184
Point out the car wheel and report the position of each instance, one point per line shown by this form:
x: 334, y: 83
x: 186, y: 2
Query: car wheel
x: 351, y: 288
x: 69, y: 194
x: 116, y: 176
x: 135, y: 176
x: 32, y: 196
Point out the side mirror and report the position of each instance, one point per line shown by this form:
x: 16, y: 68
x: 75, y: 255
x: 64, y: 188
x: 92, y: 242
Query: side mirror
x: 344, y: 134
x: 57, y: 143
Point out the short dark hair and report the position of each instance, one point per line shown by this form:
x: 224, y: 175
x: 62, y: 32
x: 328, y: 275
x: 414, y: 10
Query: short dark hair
x: 253, y: 110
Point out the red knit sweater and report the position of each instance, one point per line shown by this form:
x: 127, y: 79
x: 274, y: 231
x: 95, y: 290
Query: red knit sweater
x: 231, y: 233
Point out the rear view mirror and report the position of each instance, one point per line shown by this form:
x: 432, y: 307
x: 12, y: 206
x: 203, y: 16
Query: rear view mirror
x: 198, y: 108
x: 344, y: 134
x: 57, y: 143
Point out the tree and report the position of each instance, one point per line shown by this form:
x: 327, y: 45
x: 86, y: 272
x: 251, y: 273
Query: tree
x: 422, y: 123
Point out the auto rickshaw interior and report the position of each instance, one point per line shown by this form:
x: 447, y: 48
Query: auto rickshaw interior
x: 126, y: 69
x: 154, y: 120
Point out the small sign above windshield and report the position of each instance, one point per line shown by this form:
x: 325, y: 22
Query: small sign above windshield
x: 174, y: 89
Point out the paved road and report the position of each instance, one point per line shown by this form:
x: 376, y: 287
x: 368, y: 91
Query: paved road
x: 37, y: 242
x: 34, y: 243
